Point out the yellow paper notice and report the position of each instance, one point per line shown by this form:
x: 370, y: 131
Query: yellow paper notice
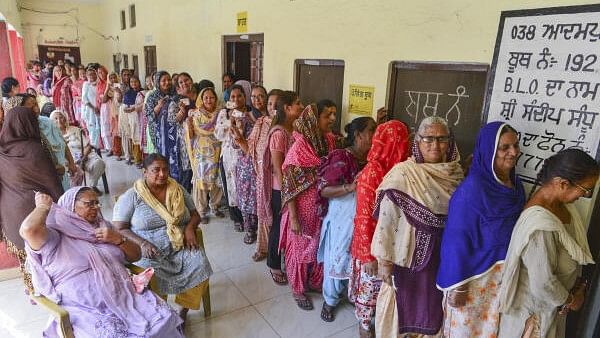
x: 242, y: 22
x: 361, y: 100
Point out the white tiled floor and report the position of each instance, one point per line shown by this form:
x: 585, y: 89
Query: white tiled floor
x: 245, y: 301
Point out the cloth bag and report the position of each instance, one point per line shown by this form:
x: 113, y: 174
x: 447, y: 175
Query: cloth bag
x: 386, y: 313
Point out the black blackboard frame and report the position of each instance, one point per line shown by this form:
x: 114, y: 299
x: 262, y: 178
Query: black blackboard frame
x: 521, y: 13
x: 587, y: 317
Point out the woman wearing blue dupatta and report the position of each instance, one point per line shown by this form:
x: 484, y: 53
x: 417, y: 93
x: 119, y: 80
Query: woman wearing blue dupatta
x: 482, y: 214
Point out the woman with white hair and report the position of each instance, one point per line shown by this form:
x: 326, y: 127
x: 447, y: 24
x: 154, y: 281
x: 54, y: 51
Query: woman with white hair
x: 83, y: 153
x: 412, y: 207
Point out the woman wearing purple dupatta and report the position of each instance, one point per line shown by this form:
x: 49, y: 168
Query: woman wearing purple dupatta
x: 77, y: 260
x: 412, y: 204
x: 481, y: 217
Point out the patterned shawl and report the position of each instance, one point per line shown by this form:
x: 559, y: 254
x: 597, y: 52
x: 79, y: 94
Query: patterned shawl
x: 482, y: 215
x: 422, y: 191
x: 114, y: 285
x: 304, y: 157
x: 388, y: 147
x: 339, y: 167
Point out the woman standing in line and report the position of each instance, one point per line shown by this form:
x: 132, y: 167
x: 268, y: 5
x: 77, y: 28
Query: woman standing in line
x: 205, y: 150
x: 301, y: 223
x: 389, y: 147
x: 226, y: 122
x: 288, y: 108
x: 61, y: 93
x: 541, y: 281
x: 481, y: 217
x: 337, y: 188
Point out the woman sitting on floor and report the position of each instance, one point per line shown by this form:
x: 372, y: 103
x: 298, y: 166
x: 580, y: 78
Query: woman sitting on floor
x: 76, y: 259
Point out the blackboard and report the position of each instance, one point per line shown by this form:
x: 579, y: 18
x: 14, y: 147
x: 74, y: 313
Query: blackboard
x: 545, y: 81
x: 451, y: 90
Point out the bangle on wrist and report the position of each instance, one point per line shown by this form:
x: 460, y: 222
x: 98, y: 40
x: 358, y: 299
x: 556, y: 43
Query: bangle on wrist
x: 43, y: 207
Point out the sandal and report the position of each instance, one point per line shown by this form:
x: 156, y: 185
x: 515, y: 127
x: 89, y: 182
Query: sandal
x: 219, y: 214
x: 279, y: 278
x: 259, y: 256
x: 304, y: 303
x: 327, y: 313
x: 238, y: 227
x: 362, y: 333
x: 204, y: 219
x: 250, y: 237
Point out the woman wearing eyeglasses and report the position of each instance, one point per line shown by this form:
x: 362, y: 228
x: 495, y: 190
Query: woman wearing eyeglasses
x: 481, y: 216
x: 160, y: 216
x: 76, y: 259
x: 412, y: 204
x: 541, y: 281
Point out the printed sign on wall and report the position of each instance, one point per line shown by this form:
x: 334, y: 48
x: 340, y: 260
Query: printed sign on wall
x: 242, y: 22
x: 360, y: 101
x: 545, y: 81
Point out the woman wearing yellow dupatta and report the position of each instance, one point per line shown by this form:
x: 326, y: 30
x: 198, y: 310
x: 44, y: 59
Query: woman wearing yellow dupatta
x: 160, y: 216
x: 204, y: 150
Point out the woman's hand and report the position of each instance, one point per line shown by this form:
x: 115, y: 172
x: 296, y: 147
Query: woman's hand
x: 458, y: 297
x: 180, y: 116
x: 296, y: 228
x: 236, y: 133
x: 109, y: 235
x: 43, y: 201
x: 370, y: 268
x: 72, y: 168
x: 385, y: 271
x: 148, y: 250
x: 190, y: 238
x: 578, y: 299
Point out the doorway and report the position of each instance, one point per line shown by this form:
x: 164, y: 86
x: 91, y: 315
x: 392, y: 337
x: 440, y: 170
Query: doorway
x: 316, y: 80
x: 243, y: 57
x: 150, y: 59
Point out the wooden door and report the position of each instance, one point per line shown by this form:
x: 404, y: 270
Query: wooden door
x: 150, y: 59
x: 316, y: 80
x: 256, y: 63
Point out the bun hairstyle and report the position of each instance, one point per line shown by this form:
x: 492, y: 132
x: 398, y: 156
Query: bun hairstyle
x: 571, y: 164
x: 357, y: 125
x: 284, y: 98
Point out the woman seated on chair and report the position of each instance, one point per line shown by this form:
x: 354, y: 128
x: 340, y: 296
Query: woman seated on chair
x: 159, y: 215
x: 84, y: 155
x: 77, y: 260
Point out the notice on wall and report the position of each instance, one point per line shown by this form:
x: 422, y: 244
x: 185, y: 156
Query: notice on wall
x: 546, y: 81
x: 242, y: 22
x: 360, y: 101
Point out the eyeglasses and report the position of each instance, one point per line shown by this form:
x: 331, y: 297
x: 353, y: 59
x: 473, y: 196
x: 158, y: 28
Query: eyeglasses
x: 431, y: 139
x: 91, y: 204
x: 587, y: 193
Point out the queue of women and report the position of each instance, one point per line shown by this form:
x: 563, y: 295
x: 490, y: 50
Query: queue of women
x: 385, y: 219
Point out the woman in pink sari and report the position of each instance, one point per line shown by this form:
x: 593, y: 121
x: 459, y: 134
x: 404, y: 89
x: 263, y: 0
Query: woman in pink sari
x: 61, y: 93
x: 77, y: 78
x: 301, y: 224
